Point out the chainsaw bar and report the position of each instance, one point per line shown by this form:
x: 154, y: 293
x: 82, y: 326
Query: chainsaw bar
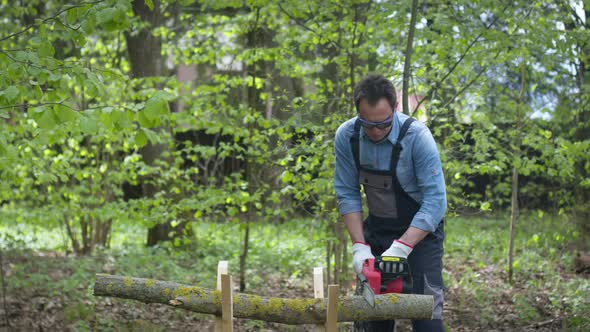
x: 365, y: 290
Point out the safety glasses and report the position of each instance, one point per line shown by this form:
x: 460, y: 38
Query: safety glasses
x: 379, y: 125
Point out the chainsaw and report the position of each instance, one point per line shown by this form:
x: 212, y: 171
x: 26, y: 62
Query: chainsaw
x: 383, y: 275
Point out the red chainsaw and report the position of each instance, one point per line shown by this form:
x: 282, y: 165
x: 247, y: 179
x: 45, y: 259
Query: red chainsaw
x: 384, y: 275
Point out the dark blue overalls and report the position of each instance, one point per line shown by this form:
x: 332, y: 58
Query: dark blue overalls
x: 391, y: 211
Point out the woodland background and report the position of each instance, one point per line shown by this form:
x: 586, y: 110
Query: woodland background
x: 153, y: 138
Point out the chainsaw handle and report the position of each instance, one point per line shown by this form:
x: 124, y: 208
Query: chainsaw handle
x: 392, y: 267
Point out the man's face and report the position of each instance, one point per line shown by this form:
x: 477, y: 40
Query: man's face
x: 379, y: 112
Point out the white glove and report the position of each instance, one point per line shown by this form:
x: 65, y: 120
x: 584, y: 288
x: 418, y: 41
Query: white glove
x: 398, y: 249
x: 360, y: 253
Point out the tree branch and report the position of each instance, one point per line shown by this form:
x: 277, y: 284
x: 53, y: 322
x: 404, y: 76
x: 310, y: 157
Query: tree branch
x: 452, y: 69
x: 320, y: 35
x: 61, y: 103
x: 49, y: 19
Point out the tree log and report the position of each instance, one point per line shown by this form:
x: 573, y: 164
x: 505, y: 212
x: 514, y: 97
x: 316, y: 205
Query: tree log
x: 270, y: 309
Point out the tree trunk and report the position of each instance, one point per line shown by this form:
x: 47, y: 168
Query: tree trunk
x: 517, y: 154
x: 145, y: 58
x: 582, y: 208
x: 407, y: 62
x: 328, y: 259
x: 280, y: 310
x: 144, y: 48
x: 513, y: 218
x: 244, y: 255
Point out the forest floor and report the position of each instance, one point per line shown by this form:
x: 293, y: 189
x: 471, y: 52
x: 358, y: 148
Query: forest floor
x: 48, y: 290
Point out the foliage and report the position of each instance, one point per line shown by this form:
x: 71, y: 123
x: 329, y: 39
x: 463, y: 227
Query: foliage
x: 277, y: 85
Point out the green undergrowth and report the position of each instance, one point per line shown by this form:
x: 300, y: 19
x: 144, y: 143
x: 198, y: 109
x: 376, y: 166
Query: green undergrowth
x: 545, y: 285
x: 282, y: 256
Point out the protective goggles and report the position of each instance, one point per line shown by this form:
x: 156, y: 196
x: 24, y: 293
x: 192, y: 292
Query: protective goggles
x: 379, y: 125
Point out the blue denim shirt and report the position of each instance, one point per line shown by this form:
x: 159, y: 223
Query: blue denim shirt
x: 419, y: 169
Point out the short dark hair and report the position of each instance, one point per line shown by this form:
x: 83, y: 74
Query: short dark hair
x: 373, y: 88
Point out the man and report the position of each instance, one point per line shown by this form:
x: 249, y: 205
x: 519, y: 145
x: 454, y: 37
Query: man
x: 397, y: 161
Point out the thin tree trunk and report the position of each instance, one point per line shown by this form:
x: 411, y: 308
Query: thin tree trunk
x: 328, y: 259
x: 407, y: 62
x: 340, y: 266
x: 337, y: 258
x: 287, y: 311
x: 244, y: 256
x: 582, y: 208
x: 86, y: 236
x: 4, y: 303
x: 513, y: 218
x: 344, y: 265
x: 517, y: 154
x: 71, y: 235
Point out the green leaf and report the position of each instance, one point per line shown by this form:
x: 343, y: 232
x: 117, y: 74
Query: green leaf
x: 11, y: 93
x: 46, y: 119
x: 151, y: 135
x: 145, y: 121
x: 164, y: 95
x: 88, y: 25
x: 287, y: 176
x: 112, y: 18
x: 149, y: 4
x: 122, y: 119
x: 72, y: 16
x: 141, y: 139
x: 66, y: 114
x: 107, y: 120
x: 485, y: 206
x: 155, y: 107
x: 88, y: 125
x: 106, y: 15
x: 91, y: 89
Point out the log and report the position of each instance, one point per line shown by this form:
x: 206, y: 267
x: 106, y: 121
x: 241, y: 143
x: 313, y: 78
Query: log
x: 270, y: 309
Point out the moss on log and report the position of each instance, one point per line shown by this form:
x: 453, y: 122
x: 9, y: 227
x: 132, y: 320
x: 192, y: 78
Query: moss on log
x: 280, y: 310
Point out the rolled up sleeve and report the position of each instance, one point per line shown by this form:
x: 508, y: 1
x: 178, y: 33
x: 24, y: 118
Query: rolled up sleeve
x: 346, y: 180
x: 430, y: 181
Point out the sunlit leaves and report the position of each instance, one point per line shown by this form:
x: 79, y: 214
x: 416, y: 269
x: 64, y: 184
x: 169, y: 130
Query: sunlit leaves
x: 269, y: 91
x: 156, y: 108
x: 10, y: 93
x: 113, y: 18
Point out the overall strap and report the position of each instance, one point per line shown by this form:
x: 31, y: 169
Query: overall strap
x: 397, y: 147
x: 354, y: 143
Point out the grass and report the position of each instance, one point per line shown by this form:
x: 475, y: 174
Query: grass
x: 479, y: 296
x: 544, y: 286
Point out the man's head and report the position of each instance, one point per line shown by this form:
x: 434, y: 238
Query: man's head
x: 375, y: 102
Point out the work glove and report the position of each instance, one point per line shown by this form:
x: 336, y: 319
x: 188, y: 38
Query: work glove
x: 360, y: 253
x: 398, y: 249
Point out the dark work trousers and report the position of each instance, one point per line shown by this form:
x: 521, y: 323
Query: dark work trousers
x: 426, y: 266
x: 391, y: 211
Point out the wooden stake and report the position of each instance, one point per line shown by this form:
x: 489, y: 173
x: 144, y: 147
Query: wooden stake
x: 318, y: 282
x: 222, y: 268
x: 227, y: 303
x: 332, y: 314
x: 318, y: 290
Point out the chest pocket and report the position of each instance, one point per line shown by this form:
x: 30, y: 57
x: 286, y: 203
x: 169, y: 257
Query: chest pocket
x: 380, y: 194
